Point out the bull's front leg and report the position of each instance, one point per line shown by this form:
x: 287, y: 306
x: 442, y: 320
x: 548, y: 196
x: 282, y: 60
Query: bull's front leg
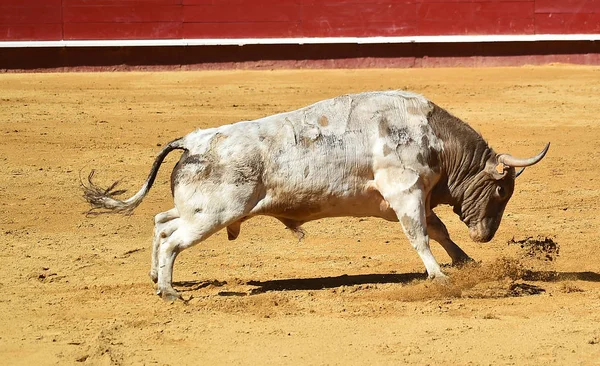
x: 438, y: 232
x: 409, y: 206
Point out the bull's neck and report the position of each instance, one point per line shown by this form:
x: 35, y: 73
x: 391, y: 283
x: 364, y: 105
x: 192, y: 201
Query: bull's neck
x: 464, y: 156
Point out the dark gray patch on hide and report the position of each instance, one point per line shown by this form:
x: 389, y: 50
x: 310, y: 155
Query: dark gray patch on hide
x: 314, y: 136
x: 383, y: 127
x: 395, y: 134
x: 429, y: 158
x: 245, y: 171
x: 176, y: 171
x: 195, y: 168
x: 409, y: 227
x: 428, y: 155
x: 424, y: 140
x: 331, y: 141
x: 399, y: 135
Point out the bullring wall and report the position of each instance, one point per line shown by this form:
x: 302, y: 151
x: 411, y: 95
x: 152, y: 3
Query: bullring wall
x: 332, y: 33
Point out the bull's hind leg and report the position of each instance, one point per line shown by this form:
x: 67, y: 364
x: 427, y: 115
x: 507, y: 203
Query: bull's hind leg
x: 161, y: 231
x: 186, y: 234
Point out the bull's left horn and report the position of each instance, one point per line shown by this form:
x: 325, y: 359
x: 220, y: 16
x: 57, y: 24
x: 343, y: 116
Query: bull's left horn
x: 510, y: 160
x: 519, y: 173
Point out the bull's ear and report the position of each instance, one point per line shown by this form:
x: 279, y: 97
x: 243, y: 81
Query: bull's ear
x: 497, y: 169
x: 501, y: 168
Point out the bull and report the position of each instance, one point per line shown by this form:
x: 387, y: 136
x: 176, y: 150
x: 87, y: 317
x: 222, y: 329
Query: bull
x: 391, y: 154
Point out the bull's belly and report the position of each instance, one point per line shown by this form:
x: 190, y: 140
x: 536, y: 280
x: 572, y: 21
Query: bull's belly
x: 303, y: 209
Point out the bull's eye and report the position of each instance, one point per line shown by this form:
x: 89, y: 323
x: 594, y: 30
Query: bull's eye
x: 500, y: 192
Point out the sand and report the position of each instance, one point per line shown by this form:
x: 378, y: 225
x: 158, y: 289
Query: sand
x: 76, y: 288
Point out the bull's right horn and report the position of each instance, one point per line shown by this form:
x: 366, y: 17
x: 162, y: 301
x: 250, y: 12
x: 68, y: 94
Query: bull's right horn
x: 510, y: 160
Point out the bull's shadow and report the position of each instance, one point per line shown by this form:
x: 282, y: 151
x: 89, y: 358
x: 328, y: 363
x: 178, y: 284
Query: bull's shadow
x: 316, y: 283
x: 553, y: 276
x: 320, y: 283
x: 350, y: 280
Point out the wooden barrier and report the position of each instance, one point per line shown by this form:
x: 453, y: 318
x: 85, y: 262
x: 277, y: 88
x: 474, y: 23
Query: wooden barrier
x: 38, y: 20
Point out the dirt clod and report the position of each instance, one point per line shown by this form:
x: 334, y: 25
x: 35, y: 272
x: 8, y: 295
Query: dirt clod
x: 82, y: 358
x: 541, y: 247
x: 524, y: 289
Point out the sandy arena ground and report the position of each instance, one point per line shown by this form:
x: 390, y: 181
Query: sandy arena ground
x: 76, y: 288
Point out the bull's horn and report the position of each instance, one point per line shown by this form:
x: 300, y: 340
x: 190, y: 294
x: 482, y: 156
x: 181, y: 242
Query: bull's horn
x: 510, y: 160
x: 519, y: 172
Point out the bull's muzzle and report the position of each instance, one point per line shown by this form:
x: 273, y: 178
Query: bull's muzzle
x: 480, y: 235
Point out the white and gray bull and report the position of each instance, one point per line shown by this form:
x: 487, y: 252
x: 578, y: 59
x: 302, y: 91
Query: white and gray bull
x: 392, y: 154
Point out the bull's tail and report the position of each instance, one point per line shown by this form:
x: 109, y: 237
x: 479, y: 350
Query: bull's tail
x: 104, y: 201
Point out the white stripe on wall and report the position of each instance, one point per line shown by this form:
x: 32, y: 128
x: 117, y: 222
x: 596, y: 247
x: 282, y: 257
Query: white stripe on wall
x: 299, y: 41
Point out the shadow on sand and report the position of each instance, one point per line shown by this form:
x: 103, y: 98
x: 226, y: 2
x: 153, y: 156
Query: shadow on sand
x: 319, y: 283
x: 552, y: 276
x: 186, y: 286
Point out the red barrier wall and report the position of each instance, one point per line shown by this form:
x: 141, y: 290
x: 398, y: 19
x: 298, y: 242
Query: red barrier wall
x: 176, y: 19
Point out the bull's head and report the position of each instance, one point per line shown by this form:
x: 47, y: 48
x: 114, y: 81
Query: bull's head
x: 488, y: 192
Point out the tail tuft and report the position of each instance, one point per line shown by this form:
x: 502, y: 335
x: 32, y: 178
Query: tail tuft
x: 104, y: 198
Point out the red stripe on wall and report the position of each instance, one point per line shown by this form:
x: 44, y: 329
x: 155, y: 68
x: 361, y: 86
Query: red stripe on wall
x: 31, y: 32
x: 365, y: 13
x: 119, y: 2
x: 459, y: 11
x: 476, y: 18
x: 354, y: 3
x: 165, y: 30
x: 122, y: 14
x: 356, y: 29
x: 472, y: 1
x: 567, y: 23
x: 335, y: 20
x: 30, y: 3
x: 243, y: 3
x: 234, y: 14
x: 241, y: 30
x: 30, y: 15
x: 567, y: 6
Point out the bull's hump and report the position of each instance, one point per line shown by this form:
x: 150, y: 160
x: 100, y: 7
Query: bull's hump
x: 360, y: 112
x: 336, y: 116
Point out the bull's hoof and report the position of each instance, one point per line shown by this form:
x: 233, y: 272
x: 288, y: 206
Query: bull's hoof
x: 153, y: 276
x: 169, y: 294
x: 464, y: 261
x: 440, y: 279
